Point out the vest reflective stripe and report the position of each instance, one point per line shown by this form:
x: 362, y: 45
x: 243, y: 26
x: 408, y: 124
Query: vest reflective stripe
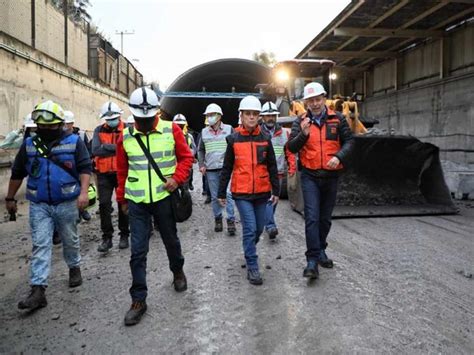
x: 279, y: 141
x: 215, y: 146
x: 143, y: 184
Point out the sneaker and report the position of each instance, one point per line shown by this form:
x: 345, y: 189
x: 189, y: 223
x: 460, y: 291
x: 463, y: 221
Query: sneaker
x: 123, y: 244
x: 324, y: 261
x: 135, y: 313
x: 179, y: 281
x: 36, y: 299
x: 218, y: 227
x: 105, y: 246
x: 56, y: 238
x: 231, y: 227
x: 311, y: 270
x: 272, y: 233
x: 75, y: 278
x: 253, y: 275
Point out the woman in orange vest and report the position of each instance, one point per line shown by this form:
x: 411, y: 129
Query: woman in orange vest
x: 323, y: 140
x: 250, y: 160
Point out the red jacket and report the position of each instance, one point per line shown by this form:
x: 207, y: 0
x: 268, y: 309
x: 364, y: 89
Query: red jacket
x: 184, y: 158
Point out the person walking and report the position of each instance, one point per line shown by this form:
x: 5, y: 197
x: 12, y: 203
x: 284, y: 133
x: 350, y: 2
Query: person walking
x: 250, y: 162
x: 323, y: 140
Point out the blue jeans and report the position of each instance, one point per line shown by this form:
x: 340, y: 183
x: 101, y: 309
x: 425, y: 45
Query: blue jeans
x: 319, y: 196
x: 140, y: 216
x: 44, y: 220
x: 252, y: 217
x: 213, y: 178
x: 270, y: 212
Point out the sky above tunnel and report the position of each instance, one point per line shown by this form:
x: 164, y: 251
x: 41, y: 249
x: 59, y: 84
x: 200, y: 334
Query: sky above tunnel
x: 172, y: 36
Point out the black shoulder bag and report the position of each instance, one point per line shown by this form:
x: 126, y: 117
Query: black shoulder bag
x: 181, y: 201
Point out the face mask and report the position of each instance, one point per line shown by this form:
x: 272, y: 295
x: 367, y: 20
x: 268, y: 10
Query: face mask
x: 212, y: 120
x: 144, y: 124
x: 113, y: 123
x: 32, y: 134
x: 49, y: 135
x: 270, y: 124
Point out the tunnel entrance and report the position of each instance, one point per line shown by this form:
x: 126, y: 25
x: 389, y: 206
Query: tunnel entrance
x: 223, y: 81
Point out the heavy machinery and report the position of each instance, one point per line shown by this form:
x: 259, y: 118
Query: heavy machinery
x: 388, y: 175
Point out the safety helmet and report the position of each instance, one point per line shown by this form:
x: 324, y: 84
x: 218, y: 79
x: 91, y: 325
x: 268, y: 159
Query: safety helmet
x: 68, y: 117
x: 269, y: 108
x: 213, y: 108
x: 180, y: 119
x: 144, y: 103
x: 92, y: 195
x: 28, y: 122
x: 48, y: 112
x: 130, y: 119
x: 312, y: 90
x: 250, y: 103
x: 110, y: 110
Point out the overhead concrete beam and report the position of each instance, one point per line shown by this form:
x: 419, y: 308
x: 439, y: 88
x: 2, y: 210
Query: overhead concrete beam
x: 386, y: 32
x: 352, y: 54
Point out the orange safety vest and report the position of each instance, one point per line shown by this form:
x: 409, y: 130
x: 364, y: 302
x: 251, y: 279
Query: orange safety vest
x: 323, y: 143
x: 104, y: 165
x: 250, y: 174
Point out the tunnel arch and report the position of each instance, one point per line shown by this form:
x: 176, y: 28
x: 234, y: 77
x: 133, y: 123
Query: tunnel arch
x: 216, y: 76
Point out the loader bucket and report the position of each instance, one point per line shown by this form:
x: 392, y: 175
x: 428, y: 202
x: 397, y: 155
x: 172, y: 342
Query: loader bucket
x: 388, y: 176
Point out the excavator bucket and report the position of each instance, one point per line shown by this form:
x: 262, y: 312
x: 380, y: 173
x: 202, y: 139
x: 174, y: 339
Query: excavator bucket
x: 387, y: 176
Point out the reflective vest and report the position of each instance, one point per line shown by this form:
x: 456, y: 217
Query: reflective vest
x: 250, y: 174
x: 47, y: 182
x: 143, y: 185
x: 279, y: 140
x: 104, y: 165
x: 323, y: 143
x: 215, y: 145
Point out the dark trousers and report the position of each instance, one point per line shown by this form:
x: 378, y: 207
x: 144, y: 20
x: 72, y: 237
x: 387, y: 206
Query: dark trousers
x: 319, y: 196
x: 140, y: 227
x: 205, y: 186
x: 107, y: 183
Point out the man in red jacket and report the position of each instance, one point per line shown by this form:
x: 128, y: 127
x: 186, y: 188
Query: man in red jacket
x: 143, y: 195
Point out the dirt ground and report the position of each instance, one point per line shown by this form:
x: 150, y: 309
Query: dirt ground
x: 399, y: 285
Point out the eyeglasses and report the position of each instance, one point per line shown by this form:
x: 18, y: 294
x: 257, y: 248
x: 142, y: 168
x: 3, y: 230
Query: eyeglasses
x: 45, y: 115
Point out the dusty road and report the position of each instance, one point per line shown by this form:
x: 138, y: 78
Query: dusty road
x: 400, y: 285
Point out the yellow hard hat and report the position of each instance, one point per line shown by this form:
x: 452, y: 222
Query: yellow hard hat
x: 48, y: 112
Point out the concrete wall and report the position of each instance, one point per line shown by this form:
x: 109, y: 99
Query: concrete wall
x: 24, y: 83
x: 441, y: 113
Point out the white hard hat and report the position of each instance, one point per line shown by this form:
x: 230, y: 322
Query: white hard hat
x: 28, y: 122
x: 130, y: 119
x: 180, y: 119
x: 312, y: 90
x: 269, y: 108
x: 213, y: 108
x: 68, y: 117
x: 110, y: 110
x: 144, y: 103
x: 250, y: 103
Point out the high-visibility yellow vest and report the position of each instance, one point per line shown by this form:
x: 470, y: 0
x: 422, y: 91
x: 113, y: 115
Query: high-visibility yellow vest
x: 143, y: 185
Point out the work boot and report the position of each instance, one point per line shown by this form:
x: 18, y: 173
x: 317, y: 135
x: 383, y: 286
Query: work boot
x: 86, y: 216
x: 36, y: 299
x: 272, y: 233
x: 324, y: 261
x: 179, y: 281
x: 56, y: 238
x: 208, y: 200
x: 135, y: 313
x: 311, y: 270
x: 75, y: 278
x: 218, y: 227
x: 105, y: 245
x: 191, y: 186
x: 253, y: 275
x: 123, y: 244
x: 231, y: 227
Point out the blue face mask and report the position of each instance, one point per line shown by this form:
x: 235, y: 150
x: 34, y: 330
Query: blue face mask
x: 113, y: 123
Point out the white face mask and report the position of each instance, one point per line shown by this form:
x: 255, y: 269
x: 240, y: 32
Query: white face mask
x: 212, y: 120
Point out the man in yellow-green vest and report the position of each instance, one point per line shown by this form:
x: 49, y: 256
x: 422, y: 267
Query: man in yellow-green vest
x: 143, y: 195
